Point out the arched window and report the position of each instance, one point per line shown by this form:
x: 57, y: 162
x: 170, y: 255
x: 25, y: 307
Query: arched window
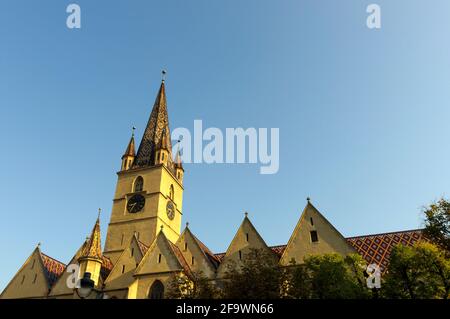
x: 139, y: 184
x: 156, y: 290
x: 171, y: 192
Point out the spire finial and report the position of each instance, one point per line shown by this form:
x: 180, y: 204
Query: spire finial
x: 163, y: 74
x: 308, y: 199
x: 246, y: 214
x: 99, y: 212
x: 162, y: 227
x: 187, y: 224
x: 39, y: 245
x: 132, y: 131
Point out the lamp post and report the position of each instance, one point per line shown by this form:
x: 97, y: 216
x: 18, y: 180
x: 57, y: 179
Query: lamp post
x: 86, y: 286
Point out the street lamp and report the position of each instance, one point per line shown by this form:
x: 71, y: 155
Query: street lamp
x: 86, y: 286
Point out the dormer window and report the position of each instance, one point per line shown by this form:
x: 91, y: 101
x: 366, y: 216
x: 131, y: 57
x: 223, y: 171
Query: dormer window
x: 139, y: 184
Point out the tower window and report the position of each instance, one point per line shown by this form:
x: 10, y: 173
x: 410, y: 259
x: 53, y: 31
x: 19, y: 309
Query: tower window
x: 159, y: 258
x: 192, y: 260
x: 123, y: 269
x: 132, y: 252
x: 139, y: 184
x: 240, y: 255
x: 246, y: 236
x: 314, y: 236
x: 34, y: 279
x: 171, y: 192
x: 185, y: 246
x: 312, y: 222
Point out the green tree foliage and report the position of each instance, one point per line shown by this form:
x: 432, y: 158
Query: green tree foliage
x: 259, y: 276
x: 418, y: 272
x: 328, y: 276
x: 437, y: 223
x: 195, y: 286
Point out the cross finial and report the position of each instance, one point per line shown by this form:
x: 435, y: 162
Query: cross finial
x: 163, y: 73
x: 132, y: 131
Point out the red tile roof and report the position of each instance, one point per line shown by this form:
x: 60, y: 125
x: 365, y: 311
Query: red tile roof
x: 53, y: 268
x: 212, y: 258
x: 143, y: 247
x: 375, y: 249
x: 176, y: 251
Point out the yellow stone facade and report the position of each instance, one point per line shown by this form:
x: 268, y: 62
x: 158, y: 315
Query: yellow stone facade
x: 144, y: 244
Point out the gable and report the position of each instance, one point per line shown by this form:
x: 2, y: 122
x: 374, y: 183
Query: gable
x: 301, y: 244
x: 30, y: 281
x: 195, y: 254
x: 60, y: 287
x: 160, y: 258
x: 246, y: 238
x: 121, y: 276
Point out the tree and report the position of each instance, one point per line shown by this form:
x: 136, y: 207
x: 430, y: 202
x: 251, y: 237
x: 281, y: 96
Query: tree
x: 336, y: 277
x: 194, y: 286
x: 418, y: 272
x: 437, y: 223
x: 258, y: 277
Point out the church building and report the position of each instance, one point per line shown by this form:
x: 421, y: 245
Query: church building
x: 145, y: 243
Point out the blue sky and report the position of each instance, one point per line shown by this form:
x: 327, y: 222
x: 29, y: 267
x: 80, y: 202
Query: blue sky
x: 363, y: 114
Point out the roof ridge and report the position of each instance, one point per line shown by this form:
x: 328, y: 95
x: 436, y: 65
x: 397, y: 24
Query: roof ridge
x: 388, y: 233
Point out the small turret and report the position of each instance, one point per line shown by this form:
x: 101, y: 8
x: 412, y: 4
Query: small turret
x: 91, y: 259
x: 129, y: 155
x: 179, y: 170
x: 162, y: 150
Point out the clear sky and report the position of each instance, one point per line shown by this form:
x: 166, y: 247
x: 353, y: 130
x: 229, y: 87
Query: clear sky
x: 363, y: 114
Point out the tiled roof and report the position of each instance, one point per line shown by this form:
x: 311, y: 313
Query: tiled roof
x: 93, y: 247
x: 53, y: 268
x: 212, y: 258
x: 107, y: 265
x: 143, y: 247
x: 176, y: 251
x: 376, y: 249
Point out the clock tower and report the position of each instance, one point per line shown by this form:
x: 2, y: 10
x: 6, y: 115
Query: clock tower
x: 149, y: 191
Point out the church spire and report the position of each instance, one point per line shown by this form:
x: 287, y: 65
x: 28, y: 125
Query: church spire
x: 130, y: 154
x: 93, y: 247
x: 91, y: 258
x: 157, y: 127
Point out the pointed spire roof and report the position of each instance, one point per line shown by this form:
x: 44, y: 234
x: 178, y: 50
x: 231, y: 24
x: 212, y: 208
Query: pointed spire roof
x: 130, y: 151
x: 178, y: 162
x: 93, y: 247
x: 157, y: 127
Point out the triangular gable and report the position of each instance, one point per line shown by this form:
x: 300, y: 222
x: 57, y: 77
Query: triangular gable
x: 301, y: 243
x: 246, y: 238
x: 32, y: 280
x: 196, y: 254
x: 121, y: 275
x: 60, y: 287
x: 162, y: 256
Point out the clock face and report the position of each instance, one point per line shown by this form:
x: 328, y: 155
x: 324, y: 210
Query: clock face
x: 135, y: 203
x: 170, y: 209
